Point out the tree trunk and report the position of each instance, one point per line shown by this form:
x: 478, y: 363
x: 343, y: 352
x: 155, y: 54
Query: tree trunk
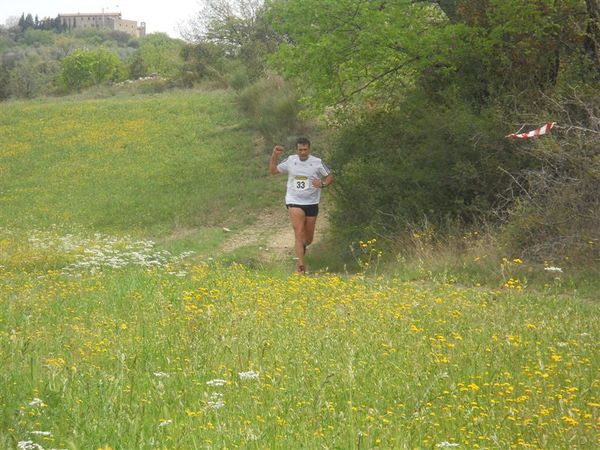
x: 592, y: 39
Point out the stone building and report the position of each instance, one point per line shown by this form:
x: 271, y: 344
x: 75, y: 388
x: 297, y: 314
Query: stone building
x: 112, y: 21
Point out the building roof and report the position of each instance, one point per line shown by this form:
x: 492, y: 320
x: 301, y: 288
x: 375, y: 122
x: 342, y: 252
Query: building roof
x: 91, y: 14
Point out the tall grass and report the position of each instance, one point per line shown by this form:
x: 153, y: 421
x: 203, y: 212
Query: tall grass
x: 181, y: 355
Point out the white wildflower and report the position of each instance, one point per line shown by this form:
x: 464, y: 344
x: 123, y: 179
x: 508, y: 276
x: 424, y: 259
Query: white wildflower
x: 216, y: 404
x: 161, y: 374
x: 250, y: 375
x: 166, y: 422
x: 216, y: 382
x: 28, y: 445
x: 447, y: 444
x: 36, y: 402
x: 552, y: 269
x: 250, y: 435
x: 41, y: 433
x: 216, y: 401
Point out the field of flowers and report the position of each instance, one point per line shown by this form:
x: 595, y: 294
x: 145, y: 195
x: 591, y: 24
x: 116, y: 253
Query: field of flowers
x: 118, y: 330
x: 111, y: 343
x: 142, y: 164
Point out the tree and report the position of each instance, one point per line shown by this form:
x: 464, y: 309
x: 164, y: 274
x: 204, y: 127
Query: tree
x: 29, y: 22
x: 30, y: 77
x: 157, y: 54
x: 239, y: 29
x: 372, y: 50
x: 85, y: 68
x: 422, y: 91
x: 354, y: 49
x: 555, y: 208
x: 592, y: 38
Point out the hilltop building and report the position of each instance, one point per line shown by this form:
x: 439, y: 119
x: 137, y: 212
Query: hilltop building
x: 112, y: 21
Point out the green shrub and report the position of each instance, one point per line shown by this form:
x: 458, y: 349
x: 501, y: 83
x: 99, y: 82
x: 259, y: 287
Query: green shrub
x: 238, y: 78
x: 557, y: 211
x: 85, y: 68
x: 272, y: 107
x: 428, y: 161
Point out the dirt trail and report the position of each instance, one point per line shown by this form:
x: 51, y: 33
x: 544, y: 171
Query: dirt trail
x: 272, y: 230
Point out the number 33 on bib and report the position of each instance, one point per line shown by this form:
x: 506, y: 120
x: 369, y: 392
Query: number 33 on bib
x: 301, y: 183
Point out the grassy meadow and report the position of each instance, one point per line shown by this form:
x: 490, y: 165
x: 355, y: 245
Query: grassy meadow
x: 122, y: 328
x: 144, y: 165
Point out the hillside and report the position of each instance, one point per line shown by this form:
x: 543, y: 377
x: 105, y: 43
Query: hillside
x: 173, y: 167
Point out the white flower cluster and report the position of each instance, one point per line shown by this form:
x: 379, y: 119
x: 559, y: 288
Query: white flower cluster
x: 164, y: 423
x: 216, y: 401
x: 553, y: 269
x: 216, y: 382
x: 103, y: 251
x: 28, y: 445
x: 36, y: 402
x: 250, y: 375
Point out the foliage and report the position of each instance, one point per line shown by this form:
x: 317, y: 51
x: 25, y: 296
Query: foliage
x: 341, y: 50
x: 238, y: 30
x: 378, y: 48
x: 157, y: 54
x: 273, y: 108
x: 41, y: 52
x: 430, y: 160
x: 476, y: 66
x: 88, y: 68
x: 31, y: 77
x: 555, y: 209
x: 28, y: 23
x: 39, y: 38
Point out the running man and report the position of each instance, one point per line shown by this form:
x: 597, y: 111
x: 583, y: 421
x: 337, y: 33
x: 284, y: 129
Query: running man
x: 307, y: 175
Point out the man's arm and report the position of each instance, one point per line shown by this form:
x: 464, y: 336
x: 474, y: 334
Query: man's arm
x: 277, y: 152
x: 321, y: 183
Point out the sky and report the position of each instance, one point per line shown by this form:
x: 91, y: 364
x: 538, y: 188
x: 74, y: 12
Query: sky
x: 165, y: 16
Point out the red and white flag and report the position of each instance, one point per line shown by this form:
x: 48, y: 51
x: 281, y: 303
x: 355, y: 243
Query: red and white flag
x: 534, y: 133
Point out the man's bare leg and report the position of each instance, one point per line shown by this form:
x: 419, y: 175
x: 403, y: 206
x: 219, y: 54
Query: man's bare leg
x: 309, y: 231
x: 297, y: 217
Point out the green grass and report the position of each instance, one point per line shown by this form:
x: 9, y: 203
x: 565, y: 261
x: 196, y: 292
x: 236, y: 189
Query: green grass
x: 147, y: 165
x: 108, y: 340
x: 127, y: 358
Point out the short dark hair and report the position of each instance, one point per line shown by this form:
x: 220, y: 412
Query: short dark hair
x: 302, y: 140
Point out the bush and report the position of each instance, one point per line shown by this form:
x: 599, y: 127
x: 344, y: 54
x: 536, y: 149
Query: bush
x: 31, y: 77
x: 83, y: 68
x: 557, y: 210
x: 272, y: 107
x: 429, y: 161
x: 151, y: 86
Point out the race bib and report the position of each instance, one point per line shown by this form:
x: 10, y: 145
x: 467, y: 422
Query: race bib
x: 301, y: 183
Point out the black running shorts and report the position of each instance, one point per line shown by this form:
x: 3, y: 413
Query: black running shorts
x: 309, y: 210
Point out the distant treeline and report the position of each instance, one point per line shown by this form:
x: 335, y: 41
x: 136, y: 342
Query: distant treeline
x: 47, y: 23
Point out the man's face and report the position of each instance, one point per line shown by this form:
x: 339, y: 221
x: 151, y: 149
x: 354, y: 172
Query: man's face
x: 303, y: 150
